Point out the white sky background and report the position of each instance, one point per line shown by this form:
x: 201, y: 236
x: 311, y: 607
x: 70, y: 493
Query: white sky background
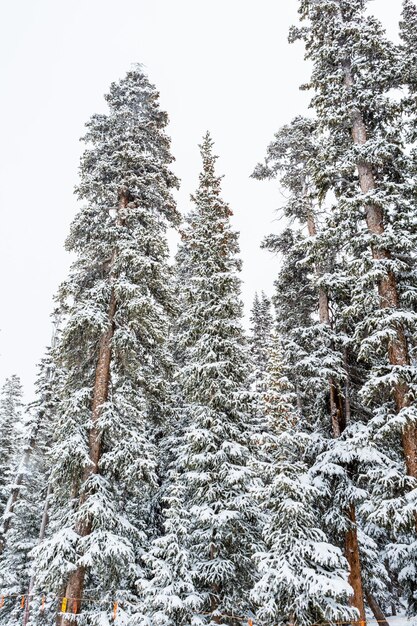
x: 220, y: 65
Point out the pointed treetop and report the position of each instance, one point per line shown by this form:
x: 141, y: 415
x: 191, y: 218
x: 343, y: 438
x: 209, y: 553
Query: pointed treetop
x: 208, y: 176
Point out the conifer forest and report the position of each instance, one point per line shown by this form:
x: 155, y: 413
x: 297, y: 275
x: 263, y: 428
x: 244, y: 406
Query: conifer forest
x: 178, y: 469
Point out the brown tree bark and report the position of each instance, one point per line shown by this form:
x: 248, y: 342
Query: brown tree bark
x: 398, y: 353
x: 352, y: 556
x: 75, y: 585
x: 339, y: 420
x: 376, y: 609
x: 324, y: 317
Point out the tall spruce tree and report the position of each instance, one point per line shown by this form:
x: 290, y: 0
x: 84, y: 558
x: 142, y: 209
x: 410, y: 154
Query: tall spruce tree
x: 259, y: 346
x: 260, y: 338
x: 367, y: 169
x: 407, y: 74
x: 353, y: 105
x: 214, y: 458
x: 117, y: 303
x: 11, y: 416
x: 312, y: 284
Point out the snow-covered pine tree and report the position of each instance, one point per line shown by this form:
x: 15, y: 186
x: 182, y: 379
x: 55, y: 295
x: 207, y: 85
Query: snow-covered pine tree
x: 407, y: 75
x: 353, y: 71
x: 259, y: 347
x: 293, y: 157
x: 170, y: 597
x: 36, y: 433
x: 260, y: 338
x: 325, y: 362
x: 112, y: 349
x: 214, y: 458
x: 11, y: 415
x: 367, y: 169
x: 27, y: 497
x: 303, y: 577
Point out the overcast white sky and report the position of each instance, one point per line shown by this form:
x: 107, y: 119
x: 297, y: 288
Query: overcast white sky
x: 222, y: 65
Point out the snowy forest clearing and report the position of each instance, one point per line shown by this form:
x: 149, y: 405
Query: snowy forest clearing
x: 174, y: 471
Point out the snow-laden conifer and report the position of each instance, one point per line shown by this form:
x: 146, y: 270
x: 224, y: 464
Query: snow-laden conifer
x: 260, y: 338
x: 313, y: 296
x: 169, y: 594
x: 303, y: 577
x: 368, y: 171
x: 112, y: 349
x: 214, y: 457
x: 259, y: 347
x: 11, y: 416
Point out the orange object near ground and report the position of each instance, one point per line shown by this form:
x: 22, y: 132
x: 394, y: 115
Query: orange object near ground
x: 115, y: 607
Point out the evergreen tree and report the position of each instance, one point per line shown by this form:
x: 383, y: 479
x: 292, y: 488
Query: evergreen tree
x: 407, y: 74
x: 170, y: 597
x: 11, y: 416
x: 259, y: 347
x: 312, y: 283
x: 367, y: 169
x: 117, y: 304
x: 352, y: 104
x: 303, y: 576
x: 214, y: 458
x: 260, y: 339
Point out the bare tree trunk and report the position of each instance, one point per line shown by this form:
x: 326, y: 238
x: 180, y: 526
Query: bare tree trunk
x: 15, y: 492
x: 376, y: 609
x: 387, y: 287
x: 75, y: 585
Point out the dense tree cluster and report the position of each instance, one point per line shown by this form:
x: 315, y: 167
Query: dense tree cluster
x: 174, y: 471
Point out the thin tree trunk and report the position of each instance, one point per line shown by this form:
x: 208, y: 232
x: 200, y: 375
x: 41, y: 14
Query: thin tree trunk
x: 75, y: 586
x: 21, y: 472
x: 339, y: 420
x: 15, y: 492
x: 299, y: 401
x: 41, y: 537
x: 215, y: 587
x: 376, y: 609
x: 390, y: 587
x: 352, y: 555
x: 324, y: 317
x: 387, y: 287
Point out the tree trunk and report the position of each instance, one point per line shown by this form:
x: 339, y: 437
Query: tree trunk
x: 15, y: 492
x: 75, y: 586
x: 41, y: 537
x: 387, y: 287
x: 339, y: 421
x: 324, y: 317
x: 215, y: 588
x: 352, y: 555
x: 376, y: 609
